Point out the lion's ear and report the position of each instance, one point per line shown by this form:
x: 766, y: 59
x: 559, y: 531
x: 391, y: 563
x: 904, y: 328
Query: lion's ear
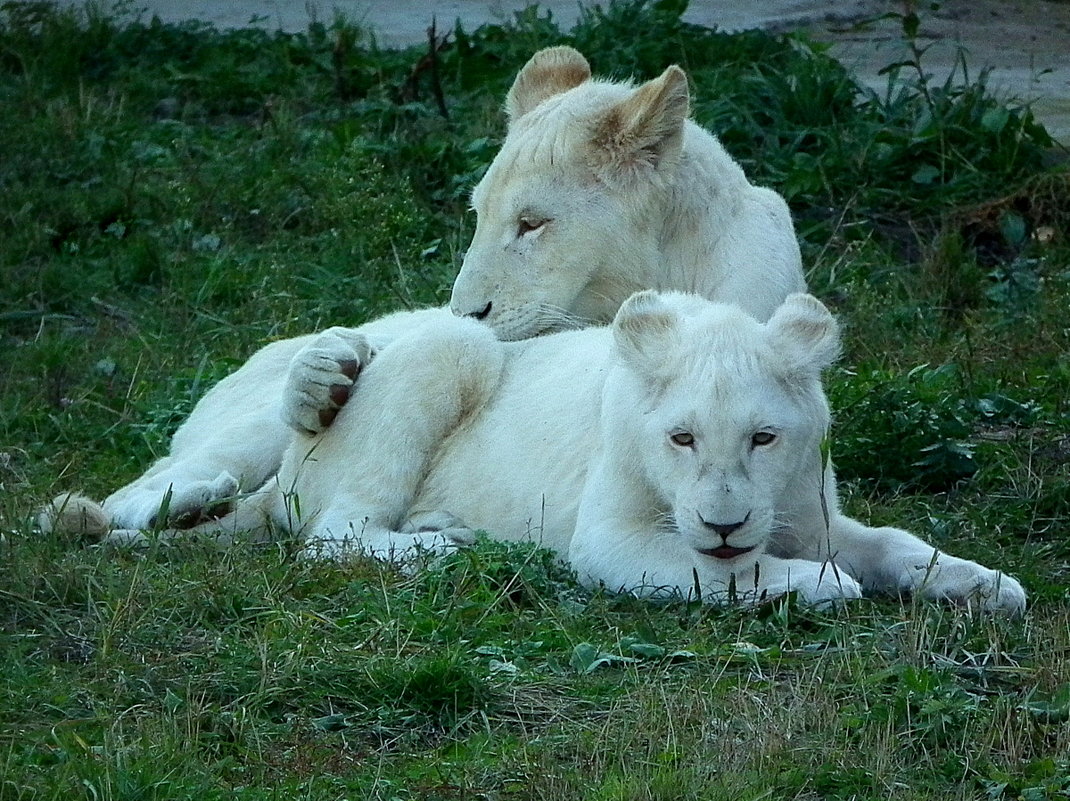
x: 549, y: 72
x: 646, y: 331
x: 646, y: 129
x: 805, y: 334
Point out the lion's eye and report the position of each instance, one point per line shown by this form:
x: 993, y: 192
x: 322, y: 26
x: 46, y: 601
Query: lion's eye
x: 683, y: 438
x: 761, y: 438
x: 527, y: 225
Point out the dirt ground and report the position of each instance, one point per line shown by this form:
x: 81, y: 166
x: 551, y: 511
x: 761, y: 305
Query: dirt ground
x: 1025, y: 43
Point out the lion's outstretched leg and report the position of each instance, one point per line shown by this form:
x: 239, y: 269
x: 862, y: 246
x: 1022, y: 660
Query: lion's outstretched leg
x: 172, y: 497
x: 233, y: 441
x: 257, y: 515
x: 892, y: 560
x: 355, y: 485
x: 235, y: 438
x: 889, y: 560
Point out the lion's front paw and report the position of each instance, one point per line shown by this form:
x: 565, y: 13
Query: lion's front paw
x: 825, y: 585
x: 1003, y: 594
x: 74, y: 515
x: 423, y: 534
x: 441, y: 528
x: 972, y: 585
x: 321, y: 378
x: 171, y: 501
x: 196, y: 502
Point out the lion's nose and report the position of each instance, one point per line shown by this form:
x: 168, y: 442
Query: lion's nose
x: 481, y: 314
x: 724, y: 529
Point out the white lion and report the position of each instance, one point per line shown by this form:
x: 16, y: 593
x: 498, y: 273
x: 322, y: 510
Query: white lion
x: 600, y: 189
x: 678, y: 450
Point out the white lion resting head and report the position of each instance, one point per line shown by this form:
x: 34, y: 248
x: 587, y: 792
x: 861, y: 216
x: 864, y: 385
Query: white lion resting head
x: 602, y: 188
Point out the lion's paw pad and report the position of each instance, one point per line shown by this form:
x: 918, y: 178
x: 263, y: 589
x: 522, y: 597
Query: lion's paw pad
x: 321, y: 378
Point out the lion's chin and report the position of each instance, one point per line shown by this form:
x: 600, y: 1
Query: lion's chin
x: 514, y: 333
x: 725, y: 551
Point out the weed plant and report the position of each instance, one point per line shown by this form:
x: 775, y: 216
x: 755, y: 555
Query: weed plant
x: 173, y: 196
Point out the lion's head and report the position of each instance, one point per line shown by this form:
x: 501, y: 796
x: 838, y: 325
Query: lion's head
x: 724, y: 415
x: 566, y: 211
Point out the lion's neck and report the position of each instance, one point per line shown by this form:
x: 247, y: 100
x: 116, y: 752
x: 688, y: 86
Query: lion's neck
x: 698, y: 209
x: 676, y: 234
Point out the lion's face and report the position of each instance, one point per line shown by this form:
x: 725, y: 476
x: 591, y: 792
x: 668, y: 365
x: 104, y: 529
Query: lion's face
x: 727, y: 413
x: 566, y: 213
x: 722, y: 447
x: 543, y: 234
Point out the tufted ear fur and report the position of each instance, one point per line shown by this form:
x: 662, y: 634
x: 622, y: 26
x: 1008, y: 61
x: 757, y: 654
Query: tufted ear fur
x: 646, y: 331
x: 804, y: 332
x: 549, y: 72
x: 646, y: 130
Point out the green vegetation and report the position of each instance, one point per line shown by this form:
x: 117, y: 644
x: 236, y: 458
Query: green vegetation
x: 172, y: 197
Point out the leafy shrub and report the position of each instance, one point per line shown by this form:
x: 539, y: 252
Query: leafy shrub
x: 789, y: 112
x: 915, y: 430
x: 896, y: 431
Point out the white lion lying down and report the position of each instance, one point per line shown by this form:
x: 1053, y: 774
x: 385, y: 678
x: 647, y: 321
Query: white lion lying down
x: 678, y: 448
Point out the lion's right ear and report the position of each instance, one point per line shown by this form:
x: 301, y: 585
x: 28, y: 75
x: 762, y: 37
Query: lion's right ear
x: 549, y: 72
x: 804, y: 331
x: 646, y: 330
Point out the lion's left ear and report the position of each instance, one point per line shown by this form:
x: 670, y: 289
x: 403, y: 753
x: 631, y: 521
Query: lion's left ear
x: 645, y: 131
x: 646, y: 331
x: 805, y: 333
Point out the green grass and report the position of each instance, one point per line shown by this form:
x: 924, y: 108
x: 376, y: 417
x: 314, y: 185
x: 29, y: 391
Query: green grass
x: 172, y: 197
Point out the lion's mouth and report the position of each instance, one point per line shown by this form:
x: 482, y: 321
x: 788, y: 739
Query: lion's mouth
x: 725, y: 551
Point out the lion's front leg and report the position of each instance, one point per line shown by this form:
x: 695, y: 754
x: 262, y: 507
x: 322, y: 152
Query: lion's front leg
x: 172, y: 498
x: 893, y: 560
x: 232, y: 442
x: 652, y: 564
x: 351, y: 527
x: 817, y: 583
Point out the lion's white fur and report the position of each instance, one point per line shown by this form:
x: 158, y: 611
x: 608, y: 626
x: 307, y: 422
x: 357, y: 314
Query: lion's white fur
x: 630, y: 195
x: 568, y: 440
